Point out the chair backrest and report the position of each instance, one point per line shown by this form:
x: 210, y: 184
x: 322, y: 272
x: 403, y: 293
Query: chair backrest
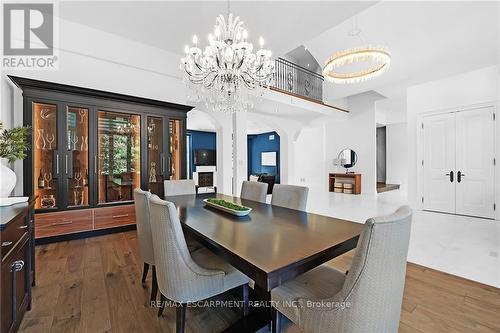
x: 255, y: 191
x: 143, y: 222
x: 179, y: 278
x: 375, y: 283
x: 290, y: 196
x: 179, y: 187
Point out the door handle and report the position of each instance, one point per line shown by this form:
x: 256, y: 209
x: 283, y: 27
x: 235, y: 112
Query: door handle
x: 17, y: 265
x: 450, y: 174
x: 459, y: 176
x: 6, y: 244
x: 66, y: 164
x: 57, y: 164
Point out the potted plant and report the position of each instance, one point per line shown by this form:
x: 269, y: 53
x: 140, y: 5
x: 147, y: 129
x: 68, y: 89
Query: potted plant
x: 13, y: 147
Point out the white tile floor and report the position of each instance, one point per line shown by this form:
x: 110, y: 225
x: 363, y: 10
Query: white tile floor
x: 463, y: 246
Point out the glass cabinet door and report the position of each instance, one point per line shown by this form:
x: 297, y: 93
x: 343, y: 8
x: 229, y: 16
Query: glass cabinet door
x: 47, y: 158
x: 175, y: 129
x: 76, y: 159
x: 156, y: 158
x: 119, y: 155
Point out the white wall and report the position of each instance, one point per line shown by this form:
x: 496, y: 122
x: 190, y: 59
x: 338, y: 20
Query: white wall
x: 311, y: 166
x: 455, y: 92
x: 99, y: 60
x: 357, y: 132
x: 319, y: 143
x: 397, y: 155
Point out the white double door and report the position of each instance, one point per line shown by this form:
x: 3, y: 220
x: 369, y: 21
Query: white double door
x: 458, y: 165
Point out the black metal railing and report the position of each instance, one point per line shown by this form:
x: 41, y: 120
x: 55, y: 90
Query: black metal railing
x: 297, y: 80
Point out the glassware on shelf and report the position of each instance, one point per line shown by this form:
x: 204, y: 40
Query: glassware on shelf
x: 152, y: 173
x: 74, y: 141
x: 77, y: 127
x: 48, y: 201
x: 175, y: 153
x: 45, y: 148
x: 40, y: 136
x: 85, y: 181
x: 78, y: 199
x: 78, y: 177
x: 48, y: 179
x: 40, y: 181
x: 50, y: 139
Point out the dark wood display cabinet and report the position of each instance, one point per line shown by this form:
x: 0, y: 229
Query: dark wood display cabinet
x: 90, y: 149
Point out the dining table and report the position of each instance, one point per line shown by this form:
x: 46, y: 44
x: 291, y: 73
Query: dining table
x: 271, y: 245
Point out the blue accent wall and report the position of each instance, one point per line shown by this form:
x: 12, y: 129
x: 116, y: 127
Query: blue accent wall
x: 200, y: 140
x: 258, y: 144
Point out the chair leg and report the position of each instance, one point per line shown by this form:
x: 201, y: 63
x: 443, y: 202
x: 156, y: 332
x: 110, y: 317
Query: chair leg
x: 154, y: 285
x: 276, y: 321
x: 180, y: 320
x: 145, y: 272
x: 245, y: 298
x: 163, y: 300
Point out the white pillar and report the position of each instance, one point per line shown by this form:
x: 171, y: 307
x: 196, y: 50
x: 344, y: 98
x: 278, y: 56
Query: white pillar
x: 224, y: 153
x: 240, y: 166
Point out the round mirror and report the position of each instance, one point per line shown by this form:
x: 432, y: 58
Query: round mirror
x: 348, y: 158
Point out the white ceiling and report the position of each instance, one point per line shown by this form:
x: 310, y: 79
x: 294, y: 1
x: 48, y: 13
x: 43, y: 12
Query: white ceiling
x: 201, y: 121
x: 169, y: 25
x: 428, y: 41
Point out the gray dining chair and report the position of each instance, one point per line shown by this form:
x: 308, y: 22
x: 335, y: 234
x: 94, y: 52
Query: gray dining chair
x: 366, y: 299
x: 185, y: 277
x: 142, y: 219
x: 182, y: 187
x: 290, y: 196
x: 255, y: 191
x: 179, y: 187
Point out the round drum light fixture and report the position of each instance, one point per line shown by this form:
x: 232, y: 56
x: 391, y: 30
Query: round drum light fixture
x: 378, y: 60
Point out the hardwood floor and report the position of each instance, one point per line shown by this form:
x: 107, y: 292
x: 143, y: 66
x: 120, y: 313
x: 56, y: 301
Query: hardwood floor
x: 94, y: 285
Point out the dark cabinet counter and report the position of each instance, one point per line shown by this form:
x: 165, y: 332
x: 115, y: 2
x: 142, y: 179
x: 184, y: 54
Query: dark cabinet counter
x: 17, y: 273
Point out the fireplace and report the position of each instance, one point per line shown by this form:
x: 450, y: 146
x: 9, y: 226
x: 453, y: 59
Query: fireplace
x: 205, y: 179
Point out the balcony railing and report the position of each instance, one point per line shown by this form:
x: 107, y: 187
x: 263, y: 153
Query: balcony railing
x: 296, y: 80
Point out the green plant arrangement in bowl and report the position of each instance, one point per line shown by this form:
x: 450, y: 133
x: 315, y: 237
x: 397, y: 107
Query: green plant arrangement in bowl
x: 13, y: 147
x: 228, y: 207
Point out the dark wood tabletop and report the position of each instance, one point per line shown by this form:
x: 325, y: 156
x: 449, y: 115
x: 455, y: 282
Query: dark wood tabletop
x: 272, y: 244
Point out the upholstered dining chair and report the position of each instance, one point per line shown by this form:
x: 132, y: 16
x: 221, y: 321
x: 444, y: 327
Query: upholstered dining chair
x: 182, y: 187
x: 142, y: 218
x: 367, y: 299
x: 255, y: 191
x: 179, y: 187
x: 290, y: 196
x: 185, y: 277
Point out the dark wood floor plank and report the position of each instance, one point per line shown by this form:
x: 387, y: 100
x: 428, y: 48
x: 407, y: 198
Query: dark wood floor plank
x: 95, y: 314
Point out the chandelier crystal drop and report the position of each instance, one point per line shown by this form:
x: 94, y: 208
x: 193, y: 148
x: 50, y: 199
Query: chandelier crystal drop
x: 224, y: 73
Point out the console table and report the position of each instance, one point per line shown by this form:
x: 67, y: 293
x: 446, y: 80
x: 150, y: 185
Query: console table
x: 354, y: 178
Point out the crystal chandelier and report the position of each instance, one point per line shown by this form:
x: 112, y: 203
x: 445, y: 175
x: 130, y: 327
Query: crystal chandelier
x: 376, y: 58
x: 227, y: 70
